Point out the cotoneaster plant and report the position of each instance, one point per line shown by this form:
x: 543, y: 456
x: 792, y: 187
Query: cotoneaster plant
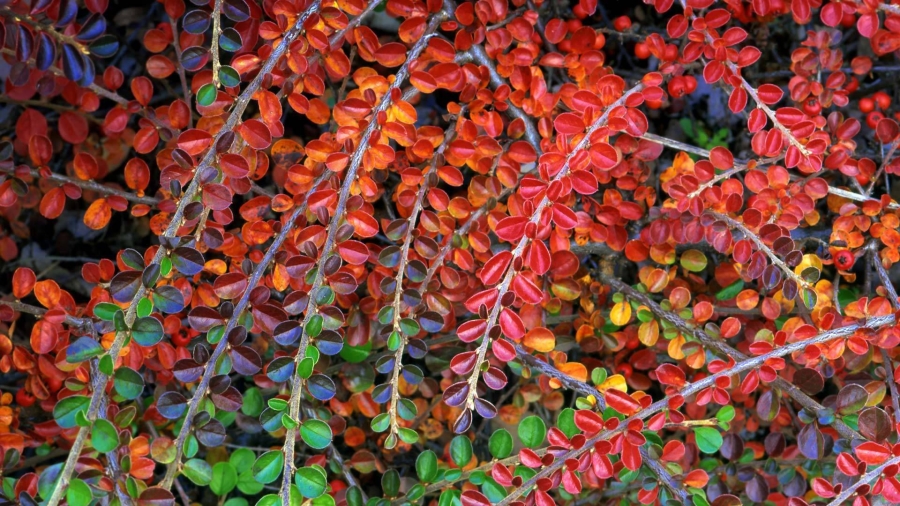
x: 396, y: 252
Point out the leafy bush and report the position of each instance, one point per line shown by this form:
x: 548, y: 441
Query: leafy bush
x: 405, y: 252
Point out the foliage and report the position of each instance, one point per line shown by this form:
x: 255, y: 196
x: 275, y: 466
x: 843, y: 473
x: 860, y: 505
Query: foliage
x: 425, y: 253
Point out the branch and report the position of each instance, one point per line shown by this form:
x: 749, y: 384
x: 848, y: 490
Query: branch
x: 98, y: 382
x: 863, y: 480
x: 721, y: 348
x: 761, y: 246
x: 751, y: 91
x: 519, y: 250
x: 427, y: 181
x: 83, y: 324
x: 349, y: 179
x: 892, y: 295
x: 695, y: 388
x: 214, y: 46
x: 209, y: 369
x: 176, y: 44
x: 99, y: 90
x: 86, y: 185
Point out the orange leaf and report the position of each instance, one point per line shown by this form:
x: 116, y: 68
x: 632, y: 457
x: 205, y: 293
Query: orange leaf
x: 540, y: 339
x: 47, y: 293
x: 98, y: 214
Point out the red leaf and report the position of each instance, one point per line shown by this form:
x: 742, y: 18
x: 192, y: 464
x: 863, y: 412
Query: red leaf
x: 511, y: 324
x: 622, y: 402
x: 872, y: 453
x: 568, y: 123
x: 588, y: 421
x: 495, y: 268
x: 511, y: 228
x: 670, y: 374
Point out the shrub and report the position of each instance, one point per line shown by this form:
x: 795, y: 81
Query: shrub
x: 412, y: 252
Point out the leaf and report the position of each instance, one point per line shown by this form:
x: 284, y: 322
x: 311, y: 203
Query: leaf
x: 224, y: 478
x: 198, y: 471
x: 316, y: 433
x: 501, y: 444
x: 460, y: 450
x: 311, y: 481
x: 66, y: 410
x: 426, y: 466
x: 267, y: 467
x: 104, y: 436
x: 709, y: 440
x: 78, y: 493
x: 620, y: 314
x: 128, y: 383
x: 532, y: 432
x: 84, y: 348
x: 147, y: 331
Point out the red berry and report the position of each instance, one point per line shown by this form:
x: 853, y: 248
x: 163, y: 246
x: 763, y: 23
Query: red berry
x: 622, y: 23
x: 23, y: 398
x: 181, y: 338
x: 866, y: 104
x: 641, y: 51
x: 844, y: 260
x: 873, y: 118
x: 812, y: 107
x: 883, y: 100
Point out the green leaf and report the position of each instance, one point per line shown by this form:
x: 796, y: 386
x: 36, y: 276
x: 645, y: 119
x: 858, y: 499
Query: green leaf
x: 147, y: 331
x: 229, y: 77
x: 242, y: 458
x: 105, y: 311
x: 104, y: 436
x: 224, y: 478
x: 381, y: 422
x: 311, y: 481
x: 426, y: 466
x: 198, y: 471
x: 106, y: 365
x: 566, y: 422
x: 267, y: 467
x: 408, y: 436
x: 316, y: 433
x: 709, y: 440
x: 501, y: 444
x: 247, y: 483
x: 532, y: 431
x: 66, y: 410
x: 78, y: 493
x: 461, y: 450
x: 206, y: 95
x: 144, y: 308
x: 128, y: 383
x: 84, y: 348
x: 731, y: 291
x: 253, y: 402
x: 725, y: 414
x: 278, y: 404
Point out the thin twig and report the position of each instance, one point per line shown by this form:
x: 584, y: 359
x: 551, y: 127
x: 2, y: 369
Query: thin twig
x: 86, y: 185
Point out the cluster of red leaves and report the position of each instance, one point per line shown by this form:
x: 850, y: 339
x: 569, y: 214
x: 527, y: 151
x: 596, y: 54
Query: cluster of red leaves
x: 457, y: 229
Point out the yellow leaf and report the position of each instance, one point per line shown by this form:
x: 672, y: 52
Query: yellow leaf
x: 620, y: 313
x: 675, y: 348
x: 614, y: 382
x: 648, y: 333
